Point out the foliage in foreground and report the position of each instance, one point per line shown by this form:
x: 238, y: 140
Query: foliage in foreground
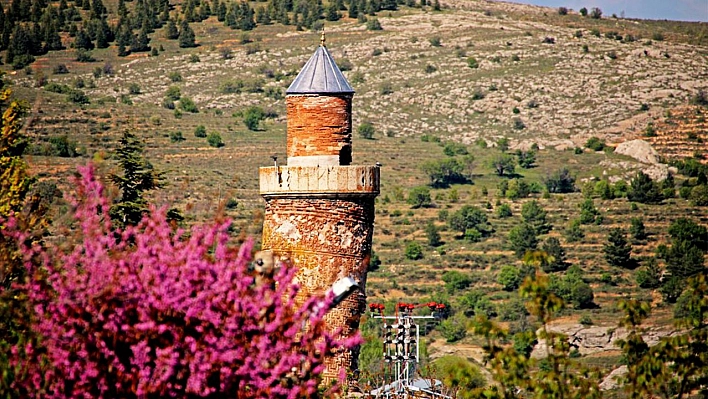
x: 676, y: 367
x: 149, y: 312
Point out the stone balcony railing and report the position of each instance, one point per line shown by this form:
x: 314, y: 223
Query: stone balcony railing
x: 323, y: 181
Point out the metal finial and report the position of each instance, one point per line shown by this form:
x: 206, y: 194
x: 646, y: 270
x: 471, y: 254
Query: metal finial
x: 322, y: 38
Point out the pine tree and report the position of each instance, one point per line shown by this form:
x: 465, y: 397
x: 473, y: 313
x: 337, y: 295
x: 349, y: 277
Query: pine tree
x: 52, y: 38
x: 332, y: 13
x: 353, y: 9
x: 101, y: 39
x: 83, y: 40
x: 171, y: 31
x: 186, y: 35
x: 617, y: 250
x: 554, y: 249
x: 141, y: 42
x: 432, y: 234
x: 137, y: 178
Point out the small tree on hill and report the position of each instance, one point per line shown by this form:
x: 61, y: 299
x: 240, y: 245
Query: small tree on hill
x: 617, y: 250
x: 414, y: 251
x: 561, y: 181
x: 448, y: 171
x: 509, y: 278
x: 470, y: 218
x: 186, y: 35
x: 534, y: 215
x: 644, y: 190
x: 554, y: 249
x: 366, y: 130
x: 433, y: 235
x: 522, y: 239
x: 419, y: 197
x: 171, y: 31
x: 503, y: 164
x: 138, y: 177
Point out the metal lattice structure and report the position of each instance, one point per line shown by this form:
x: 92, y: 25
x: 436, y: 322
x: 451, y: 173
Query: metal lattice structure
x: 401, y: 351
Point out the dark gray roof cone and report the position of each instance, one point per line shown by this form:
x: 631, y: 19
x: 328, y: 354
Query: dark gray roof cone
x: 320, y: 75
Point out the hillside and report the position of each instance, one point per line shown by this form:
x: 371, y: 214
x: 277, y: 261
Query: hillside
x: 475, y: 73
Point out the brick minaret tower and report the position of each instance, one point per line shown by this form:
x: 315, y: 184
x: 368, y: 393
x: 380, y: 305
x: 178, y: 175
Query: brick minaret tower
x: 319, y: 209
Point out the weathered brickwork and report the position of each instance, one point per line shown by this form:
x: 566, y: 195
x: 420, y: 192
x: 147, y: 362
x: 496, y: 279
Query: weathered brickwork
x: 320, y: 125
x: 326, y: 239
x: 319, y: 211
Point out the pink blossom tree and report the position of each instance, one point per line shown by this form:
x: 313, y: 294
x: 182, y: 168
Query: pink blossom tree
x: 150, y: 312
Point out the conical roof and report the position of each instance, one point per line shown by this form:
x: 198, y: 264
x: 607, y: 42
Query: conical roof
x: 320, y: 75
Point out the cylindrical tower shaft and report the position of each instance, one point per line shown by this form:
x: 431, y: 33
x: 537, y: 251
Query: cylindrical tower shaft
x: 319, y: 209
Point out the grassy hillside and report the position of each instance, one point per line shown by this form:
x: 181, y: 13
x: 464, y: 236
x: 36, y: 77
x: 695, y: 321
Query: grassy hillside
x: 473, y: 73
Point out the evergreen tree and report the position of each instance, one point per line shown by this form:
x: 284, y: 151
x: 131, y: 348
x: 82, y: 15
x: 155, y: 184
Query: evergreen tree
x: 221, y: 12
x: 354, y: 9
x: 522, y: 239
x: 122, y: 10
x: 52, y: 39
x: 644, y: 190
x: 186, y: 35
x: 98, y: 9
x: 389, y: 5
x: 83, y: 40
x: 101, y: 39
x: 246, y: 20
x: 553, y: 248
x: 141, y: 42
x: 332, y: 13
x: 137, y: 178
x: 617, y: 250
x: 171, y: 31
x: 535, y: 215
x: 432, y: 234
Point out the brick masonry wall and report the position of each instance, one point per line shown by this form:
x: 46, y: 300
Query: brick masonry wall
x: 320, y: 125
x: 326, y: 239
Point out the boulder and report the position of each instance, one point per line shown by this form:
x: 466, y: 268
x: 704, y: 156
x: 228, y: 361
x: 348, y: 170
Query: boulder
x: 639, y: 150
x: 610, y: 382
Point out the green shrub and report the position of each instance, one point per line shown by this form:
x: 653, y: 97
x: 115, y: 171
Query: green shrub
x: 214, y: 140
x: 453, y: 329
x: 435, y: 41
x: 509, y: 278
x: 504, y: 211
x: 174, y: 76
x: 455, y: 281
x: 366, y: 130
x: 470, y: 218
x: 188, y: 105
x: 252, y: 117
x: 77, y: 96
x: 373, y: 24
x: 176, y: 137
x: 472, y: 63
x: 595, y: 144
x: 458, y: 373
x: 419, y: 197
x: 413, y: 251
x: 134, y: 88
x: 200, y: 131
x: 173, y: 93
x: 522, y: 238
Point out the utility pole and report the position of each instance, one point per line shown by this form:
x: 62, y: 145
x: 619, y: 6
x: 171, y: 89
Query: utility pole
x: 401, y: 350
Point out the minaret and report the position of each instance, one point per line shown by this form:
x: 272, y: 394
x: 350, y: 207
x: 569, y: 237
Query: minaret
x: 319, y: 209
